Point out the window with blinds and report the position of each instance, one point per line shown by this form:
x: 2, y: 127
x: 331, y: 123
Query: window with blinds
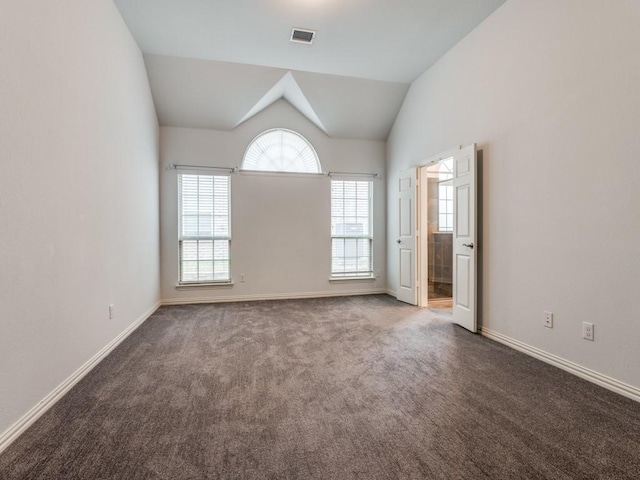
x: 281, y: 150
x: 351, y: 230
x: 204, y: 228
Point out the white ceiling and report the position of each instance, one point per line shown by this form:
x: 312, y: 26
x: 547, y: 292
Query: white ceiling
x: 389, y: 40
x: 216, y: 63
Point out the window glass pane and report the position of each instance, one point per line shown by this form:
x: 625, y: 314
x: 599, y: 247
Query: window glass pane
x: 189, y: 271
x: 350, y: 264
x: 364, y: 264
x: 189, y: 250
x: 205, y: 226
x: 190, y: 225
x: 350, y: 247
x: 205, y: 270
x: 205, y: 250
x: 442, y: 221
x: 221, y: 226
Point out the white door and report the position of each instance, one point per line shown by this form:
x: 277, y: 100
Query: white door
x: 465, y: 244
x: 407, y: 288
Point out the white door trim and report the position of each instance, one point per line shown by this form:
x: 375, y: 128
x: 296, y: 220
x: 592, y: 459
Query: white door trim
x: 441, y: 156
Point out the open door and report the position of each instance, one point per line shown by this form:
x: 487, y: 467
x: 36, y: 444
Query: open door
x: 465, y: 244
x: 407, y: 288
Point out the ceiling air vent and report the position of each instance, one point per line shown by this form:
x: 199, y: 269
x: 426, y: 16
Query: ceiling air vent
x: 302, y: 36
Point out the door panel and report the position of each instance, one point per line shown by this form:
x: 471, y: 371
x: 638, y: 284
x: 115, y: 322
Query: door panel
x: 406, y: 268
x: 406, y: 209
x: 407, y: 287
x: 462, y: 213
x: 462, y: 285
x: 464, y: 238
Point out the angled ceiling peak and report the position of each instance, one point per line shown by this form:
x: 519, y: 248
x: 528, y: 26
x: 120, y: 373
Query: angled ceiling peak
x: 286, y: 88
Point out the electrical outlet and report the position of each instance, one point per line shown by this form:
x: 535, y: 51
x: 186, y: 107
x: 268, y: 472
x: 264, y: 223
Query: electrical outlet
x: 548, y: 319
x: 111, y: 311
x: 242, y: 278
x: 587, y: 331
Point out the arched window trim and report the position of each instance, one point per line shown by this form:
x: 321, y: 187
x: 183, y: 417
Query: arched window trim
x: 281, y: 172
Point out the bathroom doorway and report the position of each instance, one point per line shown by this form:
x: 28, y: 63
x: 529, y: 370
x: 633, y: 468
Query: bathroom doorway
x: 436, y: 234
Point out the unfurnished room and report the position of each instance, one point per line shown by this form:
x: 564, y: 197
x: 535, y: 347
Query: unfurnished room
x: 319, y: 239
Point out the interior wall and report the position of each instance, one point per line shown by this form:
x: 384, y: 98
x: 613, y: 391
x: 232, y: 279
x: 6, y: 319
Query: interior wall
x: 549, y: 91
x: 280, y: 224
x: 78, y: 192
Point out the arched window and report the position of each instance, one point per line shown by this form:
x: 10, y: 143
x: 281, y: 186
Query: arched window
x: 281, y: 150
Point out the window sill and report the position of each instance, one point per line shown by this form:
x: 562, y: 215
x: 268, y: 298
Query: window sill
x: 352, y: 279
x: 187, y: 286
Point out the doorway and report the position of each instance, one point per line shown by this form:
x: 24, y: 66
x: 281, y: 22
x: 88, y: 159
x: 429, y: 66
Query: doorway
x: 436, y: 234
x: 457, y: 211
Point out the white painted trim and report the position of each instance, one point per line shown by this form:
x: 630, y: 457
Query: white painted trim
x: 188, y: 286
x: 13, y: 432
x: 592, y: 376
x: 352, y: 279
x: 269, y: 296
x: 392, y: 293
x: 269, y: 173
x: 441, y: 156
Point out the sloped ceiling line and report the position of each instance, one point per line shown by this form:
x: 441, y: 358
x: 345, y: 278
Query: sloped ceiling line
x: 286, y: 88
x: 195, y: 93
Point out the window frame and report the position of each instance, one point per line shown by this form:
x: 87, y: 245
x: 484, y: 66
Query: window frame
x: 445, y: 185
x: 214, y: 238
x: 354, y: 274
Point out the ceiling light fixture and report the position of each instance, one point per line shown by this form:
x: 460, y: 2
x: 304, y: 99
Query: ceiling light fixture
x: 301, y: 35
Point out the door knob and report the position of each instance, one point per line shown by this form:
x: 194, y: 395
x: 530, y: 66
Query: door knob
x: 470, y: 245
x: 398, y: 241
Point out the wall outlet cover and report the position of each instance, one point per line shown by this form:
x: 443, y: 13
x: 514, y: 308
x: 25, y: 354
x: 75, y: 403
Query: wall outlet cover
x: 588, y: 331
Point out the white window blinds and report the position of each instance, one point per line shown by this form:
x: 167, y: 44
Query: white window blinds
x: 281, y: 150
x: 351, y: 229
x: 204, y: 228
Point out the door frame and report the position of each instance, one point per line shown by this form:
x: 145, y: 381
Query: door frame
x: 422, y: 245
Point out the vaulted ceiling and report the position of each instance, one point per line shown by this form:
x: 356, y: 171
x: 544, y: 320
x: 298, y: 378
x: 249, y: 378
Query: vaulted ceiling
x: 215, y: 63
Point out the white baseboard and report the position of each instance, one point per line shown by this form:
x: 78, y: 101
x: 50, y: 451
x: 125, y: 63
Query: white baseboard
x: 571, y: 367
x: 7, y: 437
x: 393, y: 293
x: 270, y: 296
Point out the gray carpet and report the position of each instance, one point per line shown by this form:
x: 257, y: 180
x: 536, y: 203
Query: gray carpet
x: 338, y: 388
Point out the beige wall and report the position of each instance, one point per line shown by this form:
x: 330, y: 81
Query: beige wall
x: 78, y: 192
x: 280, y: 224
x: 549, y: 91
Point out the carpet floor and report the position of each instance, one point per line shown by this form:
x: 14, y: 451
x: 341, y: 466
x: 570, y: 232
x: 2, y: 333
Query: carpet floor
x: 337, y: 388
